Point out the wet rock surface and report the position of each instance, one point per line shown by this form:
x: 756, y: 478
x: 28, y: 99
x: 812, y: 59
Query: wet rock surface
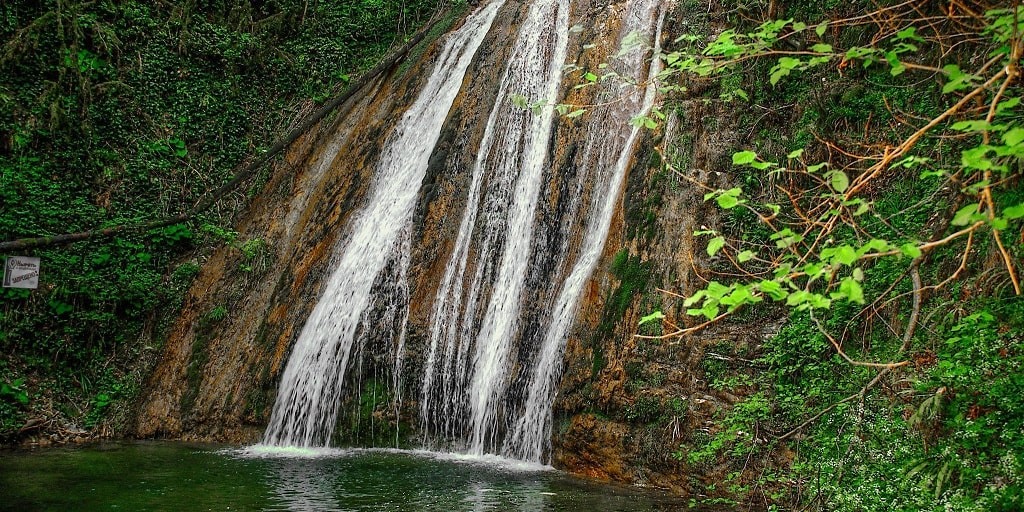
x: 625, y: 406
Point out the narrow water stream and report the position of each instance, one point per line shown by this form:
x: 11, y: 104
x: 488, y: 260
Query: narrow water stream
x: 172, y: 476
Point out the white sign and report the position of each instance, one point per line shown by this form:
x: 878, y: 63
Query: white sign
x: 21, y: 272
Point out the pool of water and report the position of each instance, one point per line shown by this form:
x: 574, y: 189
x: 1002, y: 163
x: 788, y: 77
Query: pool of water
x: 186, y: 477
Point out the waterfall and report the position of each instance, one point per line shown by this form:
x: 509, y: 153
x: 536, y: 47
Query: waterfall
x: 510, y: 164
x: 306, y: 408
x: 609, y: 147
x: 493, y: 340
x: 466, y: 401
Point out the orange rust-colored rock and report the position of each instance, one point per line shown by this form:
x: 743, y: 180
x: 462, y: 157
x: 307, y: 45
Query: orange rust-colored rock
x: 625, y: 405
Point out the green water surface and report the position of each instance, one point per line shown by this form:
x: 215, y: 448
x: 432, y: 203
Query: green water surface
x: 183, y: 477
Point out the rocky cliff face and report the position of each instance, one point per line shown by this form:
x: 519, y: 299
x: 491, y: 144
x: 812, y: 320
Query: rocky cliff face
x: 625, y: 405
x: 632, y: 403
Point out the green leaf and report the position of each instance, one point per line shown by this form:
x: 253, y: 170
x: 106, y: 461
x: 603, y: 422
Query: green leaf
x: 657, y: 315
x: 874, y: 244
x: 745, y: 256
x: 60, y: 307
x: 696, y: 297
x: 845, y: 255
x: 576, y: 113
x: 822, y: 48
x: 815, y: 270
x: 710, y: 311
x: 743, y: 157
x: 1008, y: 104
x: 909, y: 33
x: 839, y: 181
x: 976, y: 125
x: 1014, y: 212
x: 821, y: 28
x: 816, y: 167
x: 772, y: 289
x: 715, y: 244
x: 785, y: 238
x: 819, y: 301
x: 1014, y: 136
x: 716, y: 290
x: 910, y: 250
x: 852, y: 290
x: 975, y: 158
x: 777, y: 75
x: 788, y: 63
x: 797, y: 298
x: 740, y: 296
x: 862, y: 206
x: 858, y: 274
x: 729, y: 198
x: 727, y: 202
x: 963, y: 215
x: 795, y: 154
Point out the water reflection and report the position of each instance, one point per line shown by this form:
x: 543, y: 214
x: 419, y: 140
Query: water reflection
x: 303, y: 486
x: 535, y: 497
x: 168, y: 476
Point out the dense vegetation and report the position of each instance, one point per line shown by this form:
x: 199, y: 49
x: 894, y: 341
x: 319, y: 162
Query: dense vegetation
x: 878, y: 203
x: 125, y: 112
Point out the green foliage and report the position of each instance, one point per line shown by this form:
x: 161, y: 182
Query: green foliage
x: 896, y: 382
x: 14, y: 400
x: 644, y: 409
x: 125, y: 112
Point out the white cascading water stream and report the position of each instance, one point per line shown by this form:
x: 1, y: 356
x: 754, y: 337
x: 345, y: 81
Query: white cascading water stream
x: 474, y: 325
x: 307, y: 403
x: 482, y: 338
x: 608, y: 150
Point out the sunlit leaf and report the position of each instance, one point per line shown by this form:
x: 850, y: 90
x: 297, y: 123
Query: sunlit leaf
x: 1013, y: 137
x: 839, y: 181
x: 657, y: 315
x: 852, y: 290
x: 715, y: 244
x: 1014, y: 212
x: 963, y: 215
x: 772, y: 289
x: 743, y: 157
x: 910, y: 250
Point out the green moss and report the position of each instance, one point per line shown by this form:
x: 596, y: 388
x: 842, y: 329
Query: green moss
x: 644, y: 409
x: 634, y: 275
x: 367, y: 418
x: 194, y: 374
